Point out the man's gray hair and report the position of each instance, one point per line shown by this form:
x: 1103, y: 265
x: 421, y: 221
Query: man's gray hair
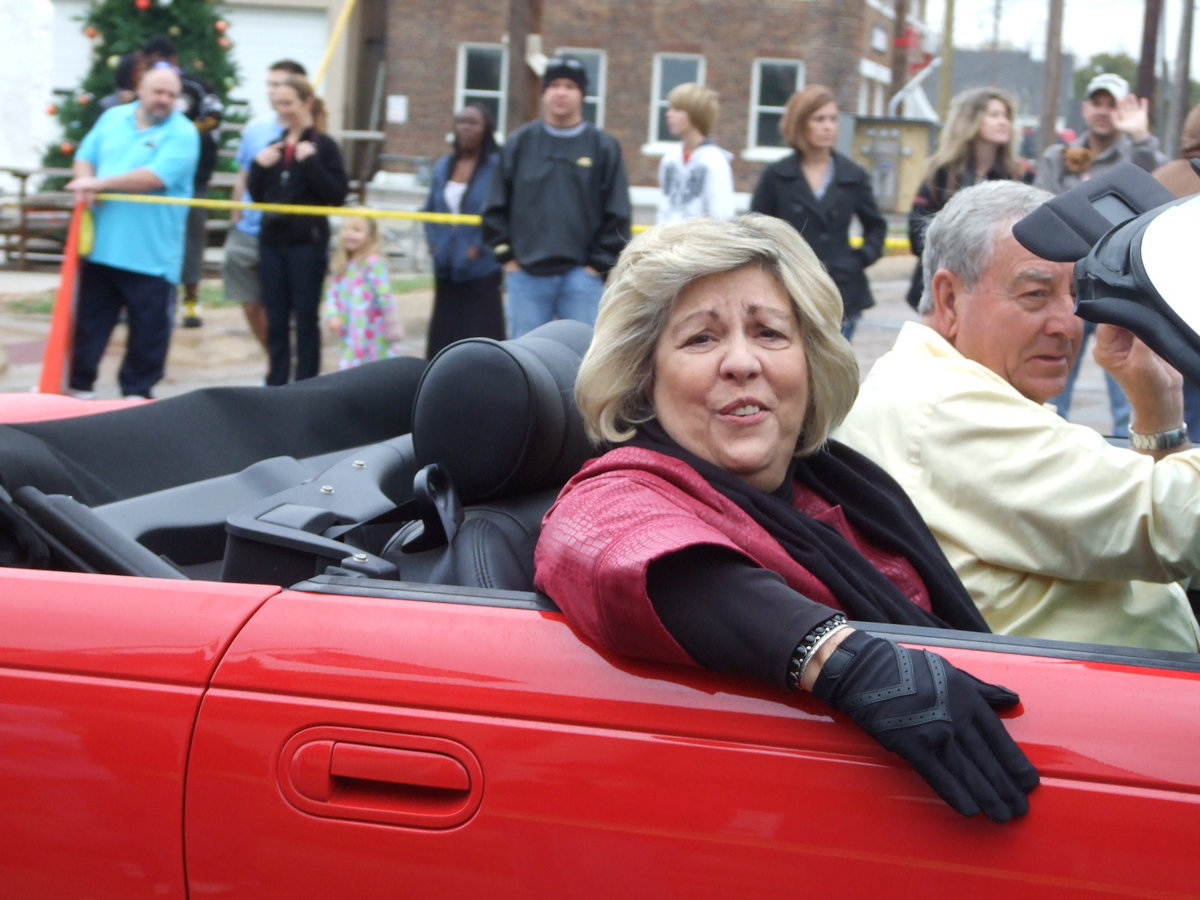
x: 963, y: 235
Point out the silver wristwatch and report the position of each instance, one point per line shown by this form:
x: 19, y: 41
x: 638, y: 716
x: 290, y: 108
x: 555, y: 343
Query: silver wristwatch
x: 1160, y: 440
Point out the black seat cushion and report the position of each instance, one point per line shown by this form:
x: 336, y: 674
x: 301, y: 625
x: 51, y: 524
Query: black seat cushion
x: 500, y: 417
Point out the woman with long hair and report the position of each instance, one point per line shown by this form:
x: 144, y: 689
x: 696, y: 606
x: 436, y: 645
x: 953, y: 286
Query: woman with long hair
x: 818, y: 191
x: 303, y: 167
x: 978, y: 143
x: 467, y: 301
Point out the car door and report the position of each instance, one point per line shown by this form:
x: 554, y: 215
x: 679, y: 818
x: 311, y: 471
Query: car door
x: 365, y: 739
x: 100, y: 682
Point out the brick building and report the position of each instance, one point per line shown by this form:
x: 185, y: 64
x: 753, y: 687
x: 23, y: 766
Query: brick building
x: 755, y: 53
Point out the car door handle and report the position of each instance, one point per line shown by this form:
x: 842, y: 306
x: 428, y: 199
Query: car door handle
x: 398, y: 779
x: 391, y: 765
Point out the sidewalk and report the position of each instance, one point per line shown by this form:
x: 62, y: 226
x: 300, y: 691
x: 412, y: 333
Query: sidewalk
x: 223, y: 352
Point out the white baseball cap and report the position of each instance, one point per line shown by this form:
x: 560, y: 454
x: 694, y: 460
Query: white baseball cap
x: 1107, y: 81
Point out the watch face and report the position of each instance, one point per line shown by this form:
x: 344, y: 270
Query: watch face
x: 1168, y: 250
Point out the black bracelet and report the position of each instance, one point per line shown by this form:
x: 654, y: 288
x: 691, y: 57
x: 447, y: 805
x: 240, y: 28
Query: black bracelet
x: 807, y: 646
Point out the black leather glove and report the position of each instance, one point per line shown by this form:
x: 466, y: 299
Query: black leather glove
x: 937, y: 717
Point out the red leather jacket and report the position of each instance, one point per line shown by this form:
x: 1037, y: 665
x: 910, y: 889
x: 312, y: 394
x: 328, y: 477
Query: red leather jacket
x: 619, y: 514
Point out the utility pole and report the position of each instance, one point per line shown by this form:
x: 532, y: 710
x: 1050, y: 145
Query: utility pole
x: 1050, y: 87
x: 1146, y: 74
x: 1183, y: 74
x: 946, y: 75
x: 900, y: 42
x: 524, y: 19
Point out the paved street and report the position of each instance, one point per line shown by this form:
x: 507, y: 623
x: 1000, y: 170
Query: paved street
x: 223, y: 352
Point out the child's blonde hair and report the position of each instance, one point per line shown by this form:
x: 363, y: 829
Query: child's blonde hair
x: 341, y: 259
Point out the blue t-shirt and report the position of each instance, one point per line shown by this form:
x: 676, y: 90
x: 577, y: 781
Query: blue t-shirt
x: 256, y: 135
x: 142, y: 237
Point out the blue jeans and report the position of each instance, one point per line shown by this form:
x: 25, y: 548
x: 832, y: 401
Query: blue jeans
x: 534, y: 300
x: 1118, y: 403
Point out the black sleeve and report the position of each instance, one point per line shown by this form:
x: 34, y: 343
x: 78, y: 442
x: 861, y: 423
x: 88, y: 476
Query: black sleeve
x: 763, y: 198
x: 730, y: 614
x: 496, y: 215
x: 874, y: 225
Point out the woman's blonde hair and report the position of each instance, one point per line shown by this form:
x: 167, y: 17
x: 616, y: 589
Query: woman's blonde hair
x: 341, y: 259
x: 955, y: 143
x: 800, y: 108
x: 615, y: 383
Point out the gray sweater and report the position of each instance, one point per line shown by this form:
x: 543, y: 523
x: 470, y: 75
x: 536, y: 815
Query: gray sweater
x: 1052, y: 174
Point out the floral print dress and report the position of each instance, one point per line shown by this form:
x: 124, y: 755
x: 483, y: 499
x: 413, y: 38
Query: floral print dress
x: 362, y: 299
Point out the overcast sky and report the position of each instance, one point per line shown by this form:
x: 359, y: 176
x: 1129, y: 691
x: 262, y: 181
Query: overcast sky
x: 1089, y: 27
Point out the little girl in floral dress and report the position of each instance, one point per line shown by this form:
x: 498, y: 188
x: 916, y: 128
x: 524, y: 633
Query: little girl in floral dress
x: 359, y: 307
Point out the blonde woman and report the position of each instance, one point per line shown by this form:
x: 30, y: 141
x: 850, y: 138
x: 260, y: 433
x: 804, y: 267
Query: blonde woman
x: 724, y: 529
x: 978, y: 143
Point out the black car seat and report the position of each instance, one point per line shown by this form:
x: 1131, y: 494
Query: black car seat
x: 496, y: 434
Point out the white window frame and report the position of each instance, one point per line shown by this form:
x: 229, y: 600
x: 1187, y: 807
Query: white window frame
x: 656, y: 145
x: 462, y: 93
x: 756, y: 152
x: 595, y: 94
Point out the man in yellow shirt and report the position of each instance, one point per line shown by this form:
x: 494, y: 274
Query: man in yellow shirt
x: 1055, y: 532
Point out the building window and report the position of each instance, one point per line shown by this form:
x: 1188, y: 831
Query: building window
x: 670, y: 71
x: 483, y: 77
x: 593, y: 102
x: 773, y: 83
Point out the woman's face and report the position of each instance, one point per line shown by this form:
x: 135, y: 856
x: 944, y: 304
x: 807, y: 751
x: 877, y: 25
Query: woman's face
x: 821, y: 129
x: 995, y: 126
x: 468, y: 128
x: 731, y: 376
x: 291, y: 110
x: 355, y: 233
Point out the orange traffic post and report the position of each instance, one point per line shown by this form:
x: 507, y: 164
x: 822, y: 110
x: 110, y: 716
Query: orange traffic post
x: 56, y: 363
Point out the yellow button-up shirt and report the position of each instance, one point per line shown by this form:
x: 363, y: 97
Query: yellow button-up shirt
x: 1055, y: 532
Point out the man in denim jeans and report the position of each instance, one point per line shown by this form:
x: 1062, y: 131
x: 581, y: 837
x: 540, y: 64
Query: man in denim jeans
x: 558, y: 211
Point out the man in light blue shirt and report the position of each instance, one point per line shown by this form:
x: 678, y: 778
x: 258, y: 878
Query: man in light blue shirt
x: 146, y: 147
x: 239, y: 268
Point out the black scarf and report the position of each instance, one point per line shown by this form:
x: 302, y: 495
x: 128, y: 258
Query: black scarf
x: 874, y: 504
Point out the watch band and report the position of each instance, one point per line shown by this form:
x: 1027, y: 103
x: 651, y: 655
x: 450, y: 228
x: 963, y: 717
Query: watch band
x: 808, y: 646
x: 1159, y: 440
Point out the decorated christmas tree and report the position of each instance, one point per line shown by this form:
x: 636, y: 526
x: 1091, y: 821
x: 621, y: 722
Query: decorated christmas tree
x: 118, y: 29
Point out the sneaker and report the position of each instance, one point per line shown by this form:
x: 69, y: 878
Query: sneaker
x: 79, y: 395
x: 192, y: 321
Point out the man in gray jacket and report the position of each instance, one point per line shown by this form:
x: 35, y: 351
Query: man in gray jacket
x: 1118, y: 131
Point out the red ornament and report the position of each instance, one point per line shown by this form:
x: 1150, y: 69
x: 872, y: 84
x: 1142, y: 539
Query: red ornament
x: 224, y: 43
x: 142, y: 4
x: 83, y: 99
x: 91, y: 32
x: 220, y: 25
x: 67, y: 147
x: 52, y: 110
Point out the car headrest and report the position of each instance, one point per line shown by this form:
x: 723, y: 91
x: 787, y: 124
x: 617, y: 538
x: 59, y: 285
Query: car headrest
x: 500, y: 416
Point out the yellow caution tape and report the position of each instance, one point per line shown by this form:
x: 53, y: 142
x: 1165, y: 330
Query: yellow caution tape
x: 365, y: 212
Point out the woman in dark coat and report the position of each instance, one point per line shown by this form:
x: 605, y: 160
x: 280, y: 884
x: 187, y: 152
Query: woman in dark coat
x: 303, y: 167
x: 819, y: 191
x: 467, y: 300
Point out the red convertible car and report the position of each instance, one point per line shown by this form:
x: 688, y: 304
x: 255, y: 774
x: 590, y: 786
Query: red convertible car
x: 284, y: 643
